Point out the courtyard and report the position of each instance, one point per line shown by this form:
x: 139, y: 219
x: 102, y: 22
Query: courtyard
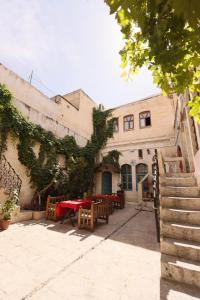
x: 121, y: 260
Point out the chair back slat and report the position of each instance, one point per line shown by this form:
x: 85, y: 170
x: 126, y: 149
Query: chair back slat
x: 52, y: 205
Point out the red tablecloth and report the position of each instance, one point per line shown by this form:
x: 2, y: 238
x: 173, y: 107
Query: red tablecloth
x: 112, y: 197
x: 71, y: 204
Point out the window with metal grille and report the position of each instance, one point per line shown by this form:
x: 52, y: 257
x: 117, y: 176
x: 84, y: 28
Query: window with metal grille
x: 126, y: 176
x: 145, y: 119
x: 128, y: 122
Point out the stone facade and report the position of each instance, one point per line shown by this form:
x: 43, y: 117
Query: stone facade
x: 151, y: 123
x: 137, y: 145
x: 70, y: 114
x: 187, y: 136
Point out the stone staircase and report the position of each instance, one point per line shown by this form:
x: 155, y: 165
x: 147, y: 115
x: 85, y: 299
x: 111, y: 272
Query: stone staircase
x: 180, y: 228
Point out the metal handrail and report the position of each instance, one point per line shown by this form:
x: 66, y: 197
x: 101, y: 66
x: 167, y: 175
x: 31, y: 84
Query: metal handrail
x: 9, y: 179
x: 156, y: 193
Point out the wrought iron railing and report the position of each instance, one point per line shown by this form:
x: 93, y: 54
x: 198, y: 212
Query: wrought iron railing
x: 9, y: 179
x: 156, y: 193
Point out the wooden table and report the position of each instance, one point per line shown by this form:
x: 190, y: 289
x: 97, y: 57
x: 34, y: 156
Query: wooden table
x: 68, y: 209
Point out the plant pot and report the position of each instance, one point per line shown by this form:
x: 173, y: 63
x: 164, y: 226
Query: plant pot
x: 4, y: 224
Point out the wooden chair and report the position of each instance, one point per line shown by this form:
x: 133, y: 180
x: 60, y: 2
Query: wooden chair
x: 108, y: 201
x: 51, y: 206
x: 87, y: 218
x: 121, y: 202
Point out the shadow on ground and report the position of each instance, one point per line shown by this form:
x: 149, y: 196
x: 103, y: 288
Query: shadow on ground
x: 140, y: 234
x: 168, y: 288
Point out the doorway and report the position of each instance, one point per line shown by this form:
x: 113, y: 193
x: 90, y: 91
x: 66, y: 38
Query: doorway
x: 106, y: 182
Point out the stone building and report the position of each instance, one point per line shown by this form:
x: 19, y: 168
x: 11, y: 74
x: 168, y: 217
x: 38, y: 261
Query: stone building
x: 140, y: 127
x: 187, y: 136
x: 70, y: 114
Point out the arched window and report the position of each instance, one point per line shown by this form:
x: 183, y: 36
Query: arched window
x: 126, y: 174
x: 145, y: 119
x: 141, y: 171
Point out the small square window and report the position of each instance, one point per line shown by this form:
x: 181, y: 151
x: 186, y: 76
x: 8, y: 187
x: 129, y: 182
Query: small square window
x: 145, y: 119
x: 140, y: 154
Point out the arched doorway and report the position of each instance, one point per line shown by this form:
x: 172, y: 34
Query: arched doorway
x: 106, y: 182
x: 141, y: 171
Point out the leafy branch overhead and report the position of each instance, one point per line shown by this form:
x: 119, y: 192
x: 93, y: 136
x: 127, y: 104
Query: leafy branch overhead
x: 77, y: 176
x: 165, y: 36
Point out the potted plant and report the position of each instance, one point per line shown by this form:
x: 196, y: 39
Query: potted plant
x: 7, y: 208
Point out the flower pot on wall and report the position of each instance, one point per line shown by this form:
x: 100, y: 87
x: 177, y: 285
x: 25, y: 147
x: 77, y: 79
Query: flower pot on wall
x: 4, y: 224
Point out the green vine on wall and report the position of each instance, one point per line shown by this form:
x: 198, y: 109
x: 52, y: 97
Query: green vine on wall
x: 44, y: 166
x: 112, y: 158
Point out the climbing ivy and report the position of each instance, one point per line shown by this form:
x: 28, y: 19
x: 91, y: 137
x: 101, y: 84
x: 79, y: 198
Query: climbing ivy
x: 44, y: 167
x: 112, y: 158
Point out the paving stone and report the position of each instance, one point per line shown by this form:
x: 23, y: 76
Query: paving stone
x: 119, y: 261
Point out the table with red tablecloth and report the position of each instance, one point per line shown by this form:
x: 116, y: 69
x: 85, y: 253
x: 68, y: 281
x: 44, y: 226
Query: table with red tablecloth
x: 117, y: 200
x: 71, y: 207
x: 112, y: 197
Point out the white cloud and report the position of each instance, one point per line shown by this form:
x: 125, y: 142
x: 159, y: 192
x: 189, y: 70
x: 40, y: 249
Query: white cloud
x: 69, y: 45
x: 28, y: 35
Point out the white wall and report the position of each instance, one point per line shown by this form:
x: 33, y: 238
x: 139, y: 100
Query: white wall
x: 62, y: 118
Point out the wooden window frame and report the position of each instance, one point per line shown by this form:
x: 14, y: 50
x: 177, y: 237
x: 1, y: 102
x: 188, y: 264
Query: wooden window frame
x: 124, y: 120
x: 128, y: 178
x: 140, y: 153
x: 117, y: 120
x: 141, y: 117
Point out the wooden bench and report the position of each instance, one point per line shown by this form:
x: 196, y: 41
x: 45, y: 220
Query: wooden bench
x: 51, y: 206
x: 87, y: 218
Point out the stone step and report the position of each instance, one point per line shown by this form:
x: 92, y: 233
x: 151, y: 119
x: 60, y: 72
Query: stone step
x: 178, y: 181
x: 184, y: 175
x: 180, y: 202
x: 180, y: 216
x: 180, y: 270
x: 181, y: 248
x: 180, y: 231
x: 24, y: 215
x: 179, y: 191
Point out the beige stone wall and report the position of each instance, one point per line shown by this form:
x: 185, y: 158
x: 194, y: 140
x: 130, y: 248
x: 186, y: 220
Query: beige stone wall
x: 162, y: 120
x: 72, y: 114
x: 188, y: 137
x: 58, y: 115
x: 11, y: 155
x: 160, y: 135
x: 67, y: 115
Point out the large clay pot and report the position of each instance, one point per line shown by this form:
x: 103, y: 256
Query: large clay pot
x: 4, y: 224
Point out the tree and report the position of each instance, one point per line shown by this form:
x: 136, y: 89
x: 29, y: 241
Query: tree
x: 165, y: 36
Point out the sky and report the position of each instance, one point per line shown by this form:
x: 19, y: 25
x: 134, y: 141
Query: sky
x: 69, y: 45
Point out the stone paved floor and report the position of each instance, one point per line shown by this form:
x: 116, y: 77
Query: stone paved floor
x: 119, y: 261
